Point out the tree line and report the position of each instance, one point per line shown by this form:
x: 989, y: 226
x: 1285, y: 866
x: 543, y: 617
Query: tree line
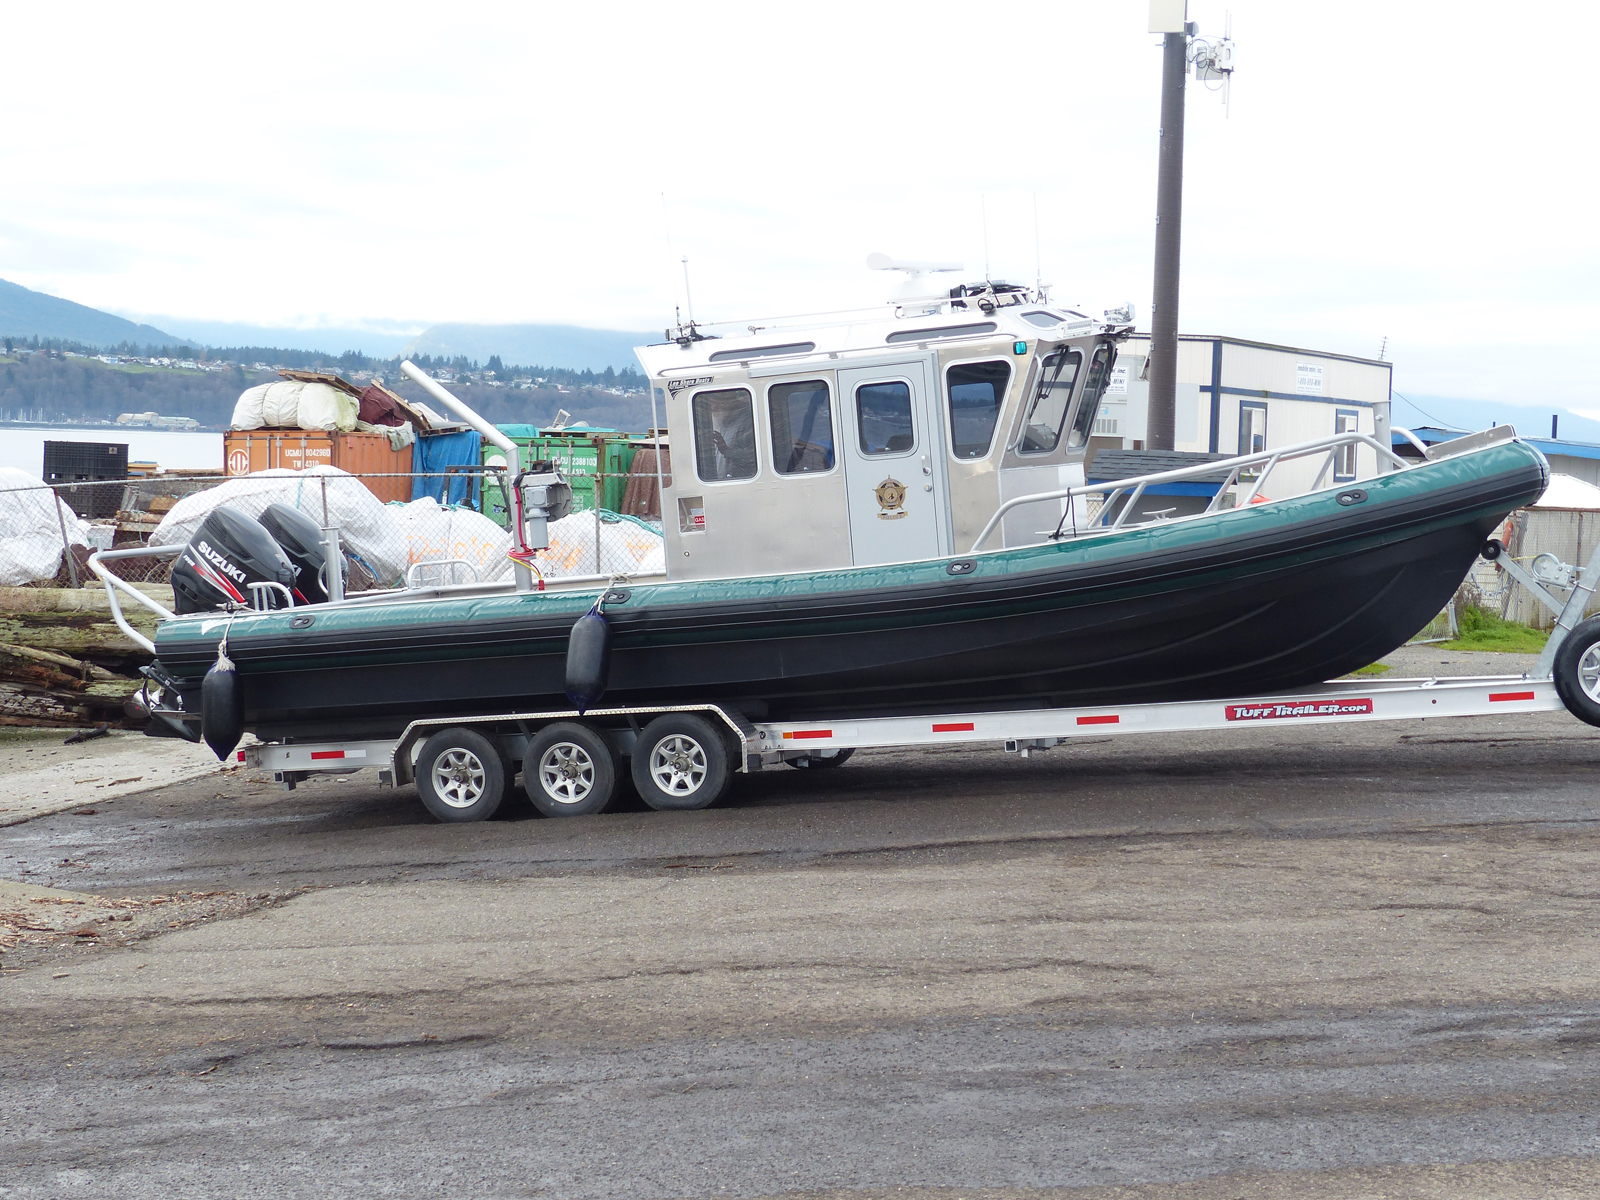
x: 348, y: 363
x: 40, y: 388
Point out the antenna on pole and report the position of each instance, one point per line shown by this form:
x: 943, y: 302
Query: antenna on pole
x: 1038, y: 260
x: 688, y: 298
x: 1213, y: 58
x: 1213, y: 61
x: 1383, y: 350
x: 983, y: 209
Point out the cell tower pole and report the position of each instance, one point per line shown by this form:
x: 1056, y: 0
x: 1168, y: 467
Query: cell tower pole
x: 1169, y: 238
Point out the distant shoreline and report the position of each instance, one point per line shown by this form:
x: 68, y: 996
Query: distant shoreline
x: 70, y: 426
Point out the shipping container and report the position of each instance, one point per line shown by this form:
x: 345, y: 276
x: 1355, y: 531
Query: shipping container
x: 245, y: 451
x: 588, y: 458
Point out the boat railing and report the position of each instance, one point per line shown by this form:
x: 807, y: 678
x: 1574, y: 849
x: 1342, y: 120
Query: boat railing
x: 1259, y: 465
x: 115, y: 583
x: 417, y: 568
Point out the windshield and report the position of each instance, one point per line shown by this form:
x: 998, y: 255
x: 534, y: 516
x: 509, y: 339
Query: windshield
x: 1093, y: 388
x: 1048, y: 412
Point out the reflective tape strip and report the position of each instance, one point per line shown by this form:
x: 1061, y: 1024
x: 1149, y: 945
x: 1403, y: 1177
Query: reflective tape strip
x: 316, y: 754
x: 1111, y: 719
x: 1496, y: 697
x: 800, y: 734
x: 954, y: 727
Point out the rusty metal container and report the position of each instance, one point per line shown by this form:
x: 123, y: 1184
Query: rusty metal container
x: 245, y: 451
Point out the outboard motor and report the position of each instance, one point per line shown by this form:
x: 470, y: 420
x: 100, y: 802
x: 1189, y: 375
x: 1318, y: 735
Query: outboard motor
x: 301, y: 540
x: 228, y: 553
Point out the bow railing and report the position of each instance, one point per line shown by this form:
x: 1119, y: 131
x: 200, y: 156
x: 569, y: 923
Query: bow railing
x: 1131, y: 491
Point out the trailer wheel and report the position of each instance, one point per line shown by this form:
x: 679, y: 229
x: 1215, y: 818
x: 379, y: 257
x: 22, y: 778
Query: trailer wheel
x: 681, y: 762
x: 817, y: 760
x: 461, y: 776
x: 569, y: 771
x: 1577, y: 671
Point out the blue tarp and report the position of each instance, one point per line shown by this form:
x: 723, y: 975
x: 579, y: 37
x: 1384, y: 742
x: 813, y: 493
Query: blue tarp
x: 435, y: 454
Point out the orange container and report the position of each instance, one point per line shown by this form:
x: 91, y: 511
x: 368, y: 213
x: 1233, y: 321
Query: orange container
x: 248, y: 450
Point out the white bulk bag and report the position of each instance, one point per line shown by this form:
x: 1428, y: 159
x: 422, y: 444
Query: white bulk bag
x: 625, y: 547
x: 323, y: 406
x: 436, y: 533
x: 295, y: 404
x: 31, y: 517
x: 247, y: 412
x: 367, y: 528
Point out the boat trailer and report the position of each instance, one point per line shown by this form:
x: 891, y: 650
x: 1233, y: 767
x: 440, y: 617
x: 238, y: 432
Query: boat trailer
x: 684, y: 756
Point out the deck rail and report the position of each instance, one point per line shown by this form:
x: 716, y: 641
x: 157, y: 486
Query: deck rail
x: 1135, y: 487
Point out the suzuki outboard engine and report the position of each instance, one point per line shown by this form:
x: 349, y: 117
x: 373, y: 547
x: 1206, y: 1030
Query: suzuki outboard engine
x: 228, y: 553
x: 301, y: 540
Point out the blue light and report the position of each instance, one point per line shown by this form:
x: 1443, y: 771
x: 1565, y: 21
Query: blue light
x: 1019, y: 347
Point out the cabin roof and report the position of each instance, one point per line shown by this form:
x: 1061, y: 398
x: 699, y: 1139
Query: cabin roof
x: 800, y: 341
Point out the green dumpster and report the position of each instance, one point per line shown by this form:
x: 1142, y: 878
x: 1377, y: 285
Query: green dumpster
x: 588, y: 456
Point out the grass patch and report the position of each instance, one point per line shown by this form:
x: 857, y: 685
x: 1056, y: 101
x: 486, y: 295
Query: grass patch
x: 1373, y: 669
x: 1482, y: 630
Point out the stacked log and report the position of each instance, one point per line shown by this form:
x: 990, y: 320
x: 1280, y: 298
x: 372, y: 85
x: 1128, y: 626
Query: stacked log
x: 63, y: 660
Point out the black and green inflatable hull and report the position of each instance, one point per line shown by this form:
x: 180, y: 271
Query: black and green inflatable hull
x: 1247, y: 601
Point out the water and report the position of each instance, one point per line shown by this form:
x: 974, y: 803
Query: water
x: 22, y: 446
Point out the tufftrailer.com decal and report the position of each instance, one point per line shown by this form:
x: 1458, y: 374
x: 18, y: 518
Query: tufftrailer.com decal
x: 1271, y: 711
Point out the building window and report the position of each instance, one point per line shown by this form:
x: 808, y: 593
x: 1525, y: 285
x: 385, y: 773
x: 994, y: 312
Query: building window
x: 1345, y: 420
x: 977, y: 391
x: 802, y: 427
x: 1252, y: 427
x: 725, y: 435
x: 883, y: 418
x: 1048, y: 412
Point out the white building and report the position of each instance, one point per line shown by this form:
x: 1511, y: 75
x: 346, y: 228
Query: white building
x: 1236, y: 396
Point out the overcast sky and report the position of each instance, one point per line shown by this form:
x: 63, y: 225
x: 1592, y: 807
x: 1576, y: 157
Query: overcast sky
x: 1416, y: 171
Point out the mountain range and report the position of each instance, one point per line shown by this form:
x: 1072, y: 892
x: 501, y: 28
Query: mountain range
x: 25, y: 313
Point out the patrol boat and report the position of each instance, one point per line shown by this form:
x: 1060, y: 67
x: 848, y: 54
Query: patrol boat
x: 889, y: 514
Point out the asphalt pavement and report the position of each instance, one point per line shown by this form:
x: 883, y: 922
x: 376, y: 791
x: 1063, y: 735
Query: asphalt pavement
x: 1326, y: 961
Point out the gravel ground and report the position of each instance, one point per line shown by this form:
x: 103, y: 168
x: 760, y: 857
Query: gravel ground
x: 1348, y: 961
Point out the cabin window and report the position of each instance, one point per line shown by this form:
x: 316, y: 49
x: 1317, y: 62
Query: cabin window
x: 1093, y: 388
x: 763, y: 352
x: 1345, y: 420
x: 883, y: 418
x: 1041, y: 431
x: 725, y: 435
x: 941, y: 331
x: 976, y: 390
x: 1044, y: 320
x: 802, y: 427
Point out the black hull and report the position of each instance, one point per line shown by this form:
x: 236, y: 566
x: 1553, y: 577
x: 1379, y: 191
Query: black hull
x: 1251, y: 605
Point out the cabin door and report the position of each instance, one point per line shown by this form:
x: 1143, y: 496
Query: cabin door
x: 893, y: 463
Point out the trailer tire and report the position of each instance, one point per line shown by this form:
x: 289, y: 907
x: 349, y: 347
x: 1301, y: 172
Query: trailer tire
x: 461, y: 776
x: 1577, y: 671
x: 569, y: 771
x: 681, y: 762
x: 820, y: 760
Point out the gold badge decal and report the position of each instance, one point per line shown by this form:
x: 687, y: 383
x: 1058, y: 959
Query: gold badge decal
x: 891, y: 495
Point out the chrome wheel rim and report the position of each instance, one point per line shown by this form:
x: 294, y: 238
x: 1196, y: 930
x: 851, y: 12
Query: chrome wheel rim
x: 458, y: 778
x: 678, y: 765
x: 1589, y: 672
x: 566, y: 773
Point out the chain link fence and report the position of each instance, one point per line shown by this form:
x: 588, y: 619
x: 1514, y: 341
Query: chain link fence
x: 395, y: 529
